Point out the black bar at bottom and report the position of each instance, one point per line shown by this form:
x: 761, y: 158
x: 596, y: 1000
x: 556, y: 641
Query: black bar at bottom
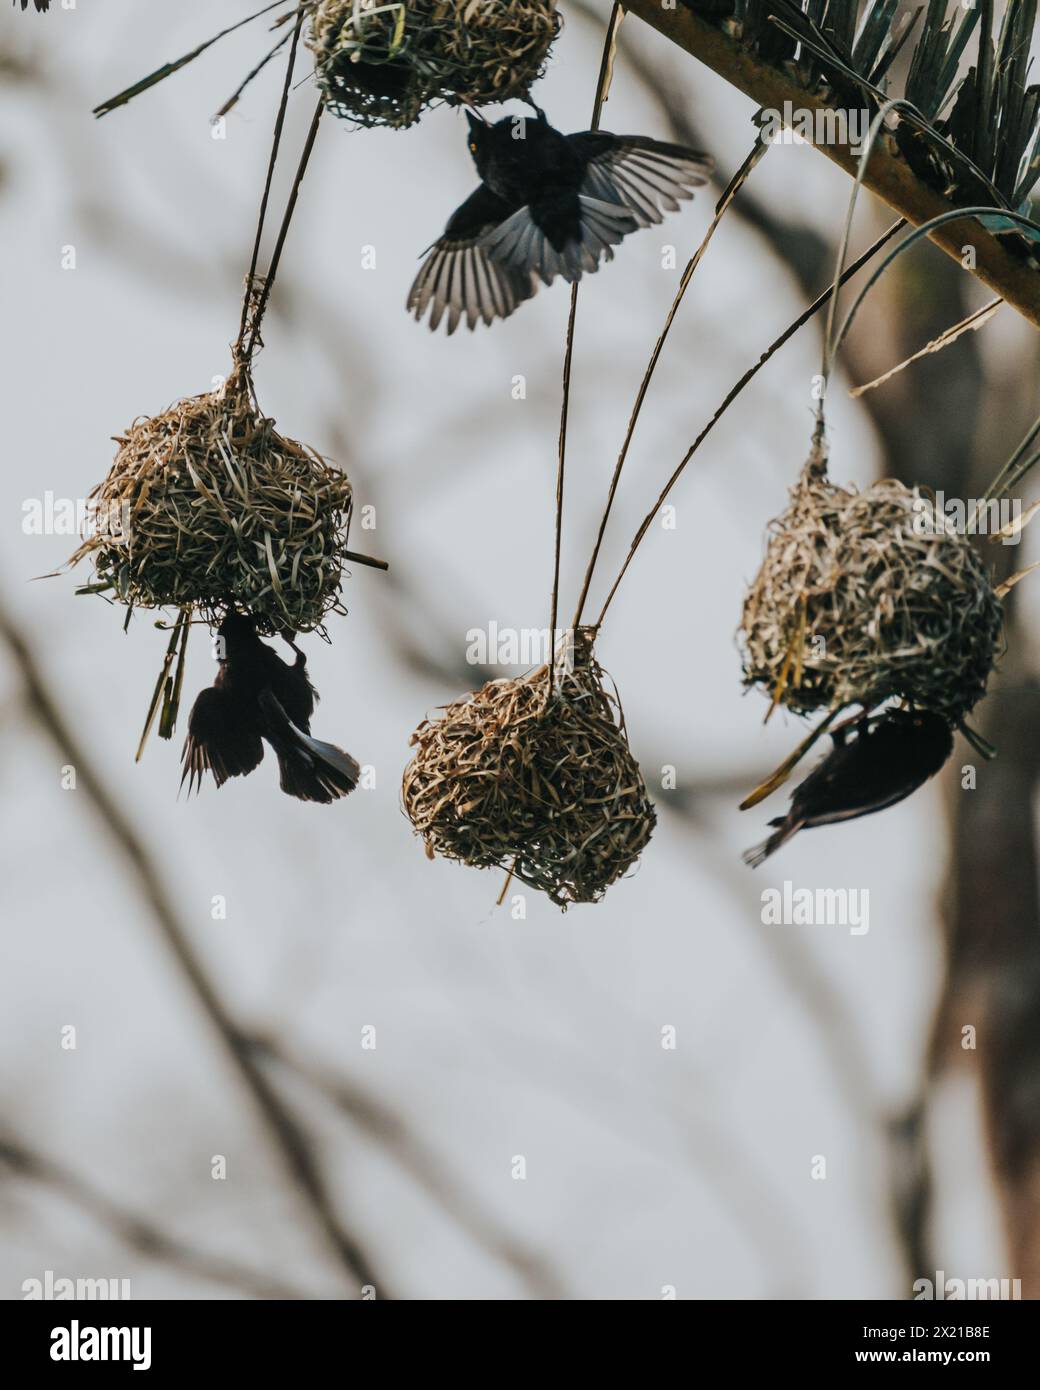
x: 65, y: 1340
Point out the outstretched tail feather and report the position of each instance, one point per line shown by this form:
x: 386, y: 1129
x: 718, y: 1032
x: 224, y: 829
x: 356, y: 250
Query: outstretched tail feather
x: 758, y: 854
x: 335, y: 767
x: 520, y: 246
x: 307, y: 781
x: 313, y: 778
x: 309, y: 769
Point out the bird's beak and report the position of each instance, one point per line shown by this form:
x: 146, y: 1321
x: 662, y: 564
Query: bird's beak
x: 475, y: 119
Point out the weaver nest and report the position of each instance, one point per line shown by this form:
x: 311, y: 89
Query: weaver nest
x: 383, y: 63
x: 863, y: 596
x: 542, y: 783
x: 208, y: 504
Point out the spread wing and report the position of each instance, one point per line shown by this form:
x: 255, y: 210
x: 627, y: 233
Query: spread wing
x: 459, y: 278
x: 221, y: 739
x: 646, y: 177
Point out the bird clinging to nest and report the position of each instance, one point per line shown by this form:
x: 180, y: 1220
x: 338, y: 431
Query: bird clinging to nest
x: 887, y: 757
x: 258, y: 697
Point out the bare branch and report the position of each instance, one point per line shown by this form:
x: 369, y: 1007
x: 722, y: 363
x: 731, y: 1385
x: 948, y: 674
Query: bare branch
x: 136, y: 1232
x: 371, y: 1114
x: 288, y: 1143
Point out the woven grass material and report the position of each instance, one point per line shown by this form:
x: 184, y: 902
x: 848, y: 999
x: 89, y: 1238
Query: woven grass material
x: 545, y: 785
x: 384, y: 64
x: 866, y: 596
x: 222, y: 508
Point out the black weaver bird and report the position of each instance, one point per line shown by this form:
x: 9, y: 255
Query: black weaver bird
x: 548, y: 204
x: 257, y: 696
x: 887, y: 757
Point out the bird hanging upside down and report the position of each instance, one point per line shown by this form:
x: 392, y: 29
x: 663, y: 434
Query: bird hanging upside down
x: 887, y: 757
x: 258, y: 696
x: 548, y: 204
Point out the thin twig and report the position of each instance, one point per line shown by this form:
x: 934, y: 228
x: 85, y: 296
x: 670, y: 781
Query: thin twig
x: 369, y: 560
x: 829, y: 346
x: 972, y: 323
x: 233, y: 99
x: 731, y: 396
x: 560, y: 468
x: 505, y: 886
x: 1012, y: 472
x: 168, y: 69
x: 606, y: 69
x: 283, y: 231
x: 275, y: 144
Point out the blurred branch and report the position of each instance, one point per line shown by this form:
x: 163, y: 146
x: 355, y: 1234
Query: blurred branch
x: 288, y: 1144
x: 373, y: 1116
x: 136, y: 1232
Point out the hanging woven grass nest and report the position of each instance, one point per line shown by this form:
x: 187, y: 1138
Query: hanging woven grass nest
x: 383, y: 64
x: 865, y: 596
x: 218, y: 507
x: 541, y: 783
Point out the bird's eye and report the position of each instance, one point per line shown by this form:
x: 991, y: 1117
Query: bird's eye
x: 473, y: 147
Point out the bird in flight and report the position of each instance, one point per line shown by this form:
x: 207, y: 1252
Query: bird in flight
x: 258, y: 697
x: 548, y: 205
x: 874, y: 763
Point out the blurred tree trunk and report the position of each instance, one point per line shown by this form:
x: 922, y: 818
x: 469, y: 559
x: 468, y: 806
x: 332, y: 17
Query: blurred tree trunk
x: 941, y: 430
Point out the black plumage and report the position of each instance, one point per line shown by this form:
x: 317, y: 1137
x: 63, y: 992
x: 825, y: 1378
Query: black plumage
x: 874, y: 763
x: 256, y: 697
x: 548, y: 205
